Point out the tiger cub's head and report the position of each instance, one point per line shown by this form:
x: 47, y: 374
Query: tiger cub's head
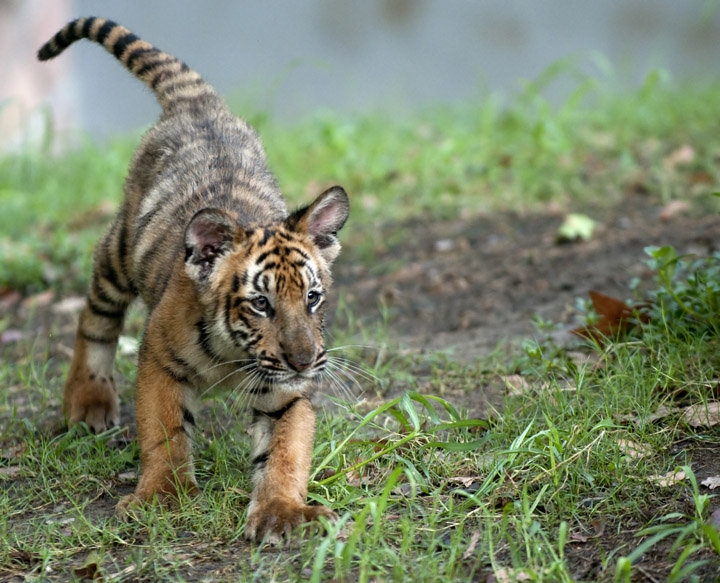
x: 263, y: 290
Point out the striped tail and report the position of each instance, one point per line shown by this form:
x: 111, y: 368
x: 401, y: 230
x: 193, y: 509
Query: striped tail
x: 172, y: 81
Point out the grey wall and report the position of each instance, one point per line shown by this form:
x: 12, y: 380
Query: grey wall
x: 292, y: 57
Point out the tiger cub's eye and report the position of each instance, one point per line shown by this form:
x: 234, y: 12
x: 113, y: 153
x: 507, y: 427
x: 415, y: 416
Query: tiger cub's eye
x: 313, y: 297
x: 260, y: 303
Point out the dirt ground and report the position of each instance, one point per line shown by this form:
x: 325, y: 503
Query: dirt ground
x: 469, y: 286
x: 464, y: 286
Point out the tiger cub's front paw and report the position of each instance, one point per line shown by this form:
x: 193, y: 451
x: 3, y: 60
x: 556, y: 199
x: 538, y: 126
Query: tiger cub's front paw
x: 275, y: 519
x: 92, y: 400
x: 164, y: 490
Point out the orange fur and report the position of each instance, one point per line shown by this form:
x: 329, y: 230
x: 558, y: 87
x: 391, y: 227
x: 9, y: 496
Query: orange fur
x: 234, y: 284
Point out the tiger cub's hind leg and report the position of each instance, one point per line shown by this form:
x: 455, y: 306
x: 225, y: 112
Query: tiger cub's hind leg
x: 90, y: 394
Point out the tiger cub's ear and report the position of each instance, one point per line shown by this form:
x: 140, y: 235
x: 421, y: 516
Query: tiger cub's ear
x: 209, y: 235
x: 322, y: 219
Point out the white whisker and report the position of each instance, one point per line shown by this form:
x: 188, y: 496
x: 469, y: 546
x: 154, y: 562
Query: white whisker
x: 351, y: 368
x: 225, y: 362
x: 346, y: 346
x: 231, y: 373
x: 340, y: 387
x: 245, y: 388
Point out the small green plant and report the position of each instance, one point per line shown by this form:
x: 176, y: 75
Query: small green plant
x: 689, y: 289
x: 690, y: 533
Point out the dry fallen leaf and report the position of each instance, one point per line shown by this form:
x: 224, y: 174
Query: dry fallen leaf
x: 39, y: 300
x: 682, y: 156
x: 669, y: 479
x: 88, y: 573
x: 702, y: 415
x: 69, y: 305
x: 700, y: 177
x: 11, y: 336
x: 466, y: 481
x: 503, y: 575
x: 474, y: 538
x: 712, y: 482
x: 633, y: 449
x: 10, y: 471
x: 715, y: 518
x: 8, y: 298
x: 615, y: 317
x: 130, y: 476
x: 661, y: 412
x: 672, y: 209
x: 597, y: 528
x: 515, y: 384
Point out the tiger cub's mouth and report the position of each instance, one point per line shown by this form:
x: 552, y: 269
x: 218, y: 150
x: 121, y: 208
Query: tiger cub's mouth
x: 293, y: 378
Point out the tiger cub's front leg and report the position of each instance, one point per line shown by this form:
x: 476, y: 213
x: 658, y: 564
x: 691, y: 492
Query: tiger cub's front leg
x: 89, y: 394
x: 282, y: 451
x: 164, y: 424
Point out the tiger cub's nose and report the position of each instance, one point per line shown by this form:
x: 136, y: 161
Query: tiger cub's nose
x: 300, y: 362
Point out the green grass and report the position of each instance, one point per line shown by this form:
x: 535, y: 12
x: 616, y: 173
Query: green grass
x: 439, y: 163
x: 425, y: 493
x: 413, y: 479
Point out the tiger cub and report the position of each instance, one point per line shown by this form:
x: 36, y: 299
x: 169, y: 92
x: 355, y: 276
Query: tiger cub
x: 235, y: 287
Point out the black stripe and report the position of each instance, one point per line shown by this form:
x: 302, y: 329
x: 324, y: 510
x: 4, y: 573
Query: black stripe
x: 182, y: 210
x: 188, y: 369
x: 163, y: 74
x: 236, y: 283
x: 98, y: 339
x: 263, y: 256
x: 192, y: 101
x: 261, y: 459
x: 122, y: 240
x: 228, y: 326
x: 110, y: 314
x: 188, y: 416
x: 204, y: 339
x: 144, y: 221
x: 87, y: 25
x: 170, y: 434
x: 122, y: 43
x: 267, y: 233
x: 76, y: 26
x: 182, y: 84
x: 105, y: 31
x: 136, y: 54
x: 177, y: 377
x: 154, y: 64
x: 299, y: 252
x: 99, y: 293
x: 255, y: 281
x: 110, y: 274
x: 161, y: 282
x: 240, y: 338
x: 278, y: 414
x: 65, y: 37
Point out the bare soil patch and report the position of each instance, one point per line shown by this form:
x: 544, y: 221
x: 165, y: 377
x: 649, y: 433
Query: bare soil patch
x: 464, y: 286
x: 468, y: 285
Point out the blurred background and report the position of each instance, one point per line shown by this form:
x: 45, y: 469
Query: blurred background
x: 292, y: 57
